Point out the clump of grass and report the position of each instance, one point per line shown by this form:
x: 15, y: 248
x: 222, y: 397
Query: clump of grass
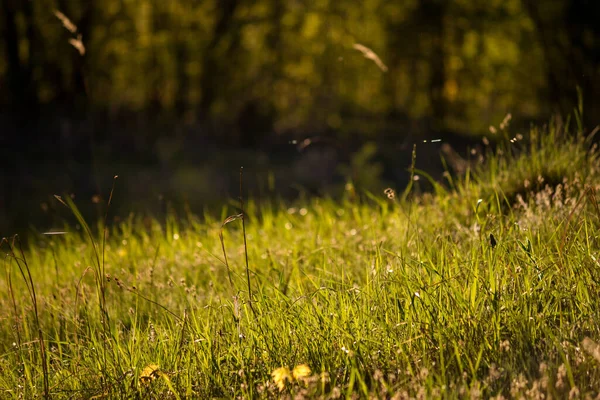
x: 15, y: 254
x: 524, y: 165
x: 400, y: 296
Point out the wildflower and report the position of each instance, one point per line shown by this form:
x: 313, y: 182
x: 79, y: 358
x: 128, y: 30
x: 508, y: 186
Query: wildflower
x: 149, y: 373
x: 390, y: 193
x: 280, y: 375
x: 301, y: 371
x: 592, y: 347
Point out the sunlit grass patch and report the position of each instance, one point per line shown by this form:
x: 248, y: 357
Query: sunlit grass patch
x: 467, y: 292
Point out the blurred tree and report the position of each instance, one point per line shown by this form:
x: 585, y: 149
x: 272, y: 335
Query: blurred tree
x: 218, y: 53
x: 21, y: 46
x: 569, y: 34
x: 433, y: 14
x: 493, y: 65
x: 245, y: 69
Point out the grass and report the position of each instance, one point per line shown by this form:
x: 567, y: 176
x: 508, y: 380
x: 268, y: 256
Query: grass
x: 488, y: 287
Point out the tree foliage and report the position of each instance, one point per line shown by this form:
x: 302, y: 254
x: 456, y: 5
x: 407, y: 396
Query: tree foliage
x: 248, y: 66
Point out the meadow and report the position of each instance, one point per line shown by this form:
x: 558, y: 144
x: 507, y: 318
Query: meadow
x: 487, y: 287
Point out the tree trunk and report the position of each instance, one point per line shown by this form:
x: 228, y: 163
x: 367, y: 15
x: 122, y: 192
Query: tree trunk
x: 433, y: 13
x: 19, y: 73
x: 575, y: 62
x: 212, y: 75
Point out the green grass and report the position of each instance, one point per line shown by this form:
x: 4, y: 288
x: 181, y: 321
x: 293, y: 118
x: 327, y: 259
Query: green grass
x: 383, y: 298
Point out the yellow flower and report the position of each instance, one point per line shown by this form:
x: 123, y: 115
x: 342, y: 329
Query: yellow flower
x: 280, y: 375
x: 149, y: 373
x: 301, y: 371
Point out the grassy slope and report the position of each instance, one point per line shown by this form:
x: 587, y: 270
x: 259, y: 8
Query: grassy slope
x: 380, y: 298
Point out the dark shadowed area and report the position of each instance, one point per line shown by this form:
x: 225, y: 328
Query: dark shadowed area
x: 308, y: 96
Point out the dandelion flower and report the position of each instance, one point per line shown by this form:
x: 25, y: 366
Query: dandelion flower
x: 149, y: 373
x: 301, y: 371
x: 280, y: 375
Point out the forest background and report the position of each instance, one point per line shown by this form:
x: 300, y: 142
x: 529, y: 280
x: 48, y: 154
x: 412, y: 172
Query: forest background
x: 175, y: 95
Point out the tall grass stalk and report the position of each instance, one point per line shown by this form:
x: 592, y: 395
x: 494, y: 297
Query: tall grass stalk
x: 23, y: 266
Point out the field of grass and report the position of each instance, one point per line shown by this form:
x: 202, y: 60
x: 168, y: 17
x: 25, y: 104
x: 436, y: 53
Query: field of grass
x: 489, y: 287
